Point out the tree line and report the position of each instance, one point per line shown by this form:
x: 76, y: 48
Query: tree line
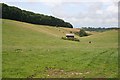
x: 83, y: 30
x: 14, y: 13
x: 98, y: 29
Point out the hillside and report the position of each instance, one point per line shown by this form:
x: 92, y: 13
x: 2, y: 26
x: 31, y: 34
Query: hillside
x: 38, y: 51
x: 14, y: 13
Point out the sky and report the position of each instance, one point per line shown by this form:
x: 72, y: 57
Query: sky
x: 80, y: 13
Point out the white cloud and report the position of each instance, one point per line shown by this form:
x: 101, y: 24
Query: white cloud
x: 99, y: 12
x: 112, y: 20
x: 77, y: 0
x: 89, y: 12
x: 113, y: 9
x: 51, y: 3
x: 59, y: 1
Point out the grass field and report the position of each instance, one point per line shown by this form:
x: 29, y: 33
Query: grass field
x: 39, y: 52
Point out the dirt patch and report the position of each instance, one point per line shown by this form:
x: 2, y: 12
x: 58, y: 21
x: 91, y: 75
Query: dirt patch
x: 60, y: 73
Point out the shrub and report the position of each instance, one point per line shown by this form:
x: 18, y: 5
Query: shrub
x: 70, y: 31
x: 82, y: 33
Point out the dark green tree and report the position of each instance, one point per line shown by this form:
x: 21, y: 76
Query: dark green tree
x: 14, y: 13
x: 82, y: 33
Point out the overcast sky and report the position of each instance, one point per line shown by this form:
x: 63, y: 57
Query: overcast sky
x: 80, y: 13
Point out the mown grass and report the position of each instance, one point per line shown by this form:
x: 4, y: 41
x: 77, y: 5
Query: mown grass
x: 38, y: 51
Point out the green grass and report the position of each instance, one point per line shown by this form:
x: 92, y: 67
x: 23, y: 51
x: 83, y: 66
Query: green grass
x: 38, y: 51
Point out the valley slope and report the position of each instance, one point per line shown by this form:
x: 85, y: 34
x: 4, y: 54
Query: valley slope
x: 38, y: 51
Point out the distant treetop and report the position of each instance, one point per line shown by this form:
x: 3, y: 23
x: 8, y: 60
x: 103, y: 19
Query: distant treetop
x: 14, y: 13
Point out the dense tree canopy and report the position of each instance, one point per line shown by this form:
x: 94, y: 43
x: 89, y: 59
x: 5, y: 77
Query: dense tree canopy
x: 82, y: 33
x: 14, y: 13
x: 99, y: 28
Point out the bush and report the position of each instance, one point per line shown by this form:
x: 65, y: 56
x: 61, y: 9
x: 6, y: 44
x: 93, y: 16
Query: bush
x: 82, y: 33
x: 72, y: 39
x: 70, y: 31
